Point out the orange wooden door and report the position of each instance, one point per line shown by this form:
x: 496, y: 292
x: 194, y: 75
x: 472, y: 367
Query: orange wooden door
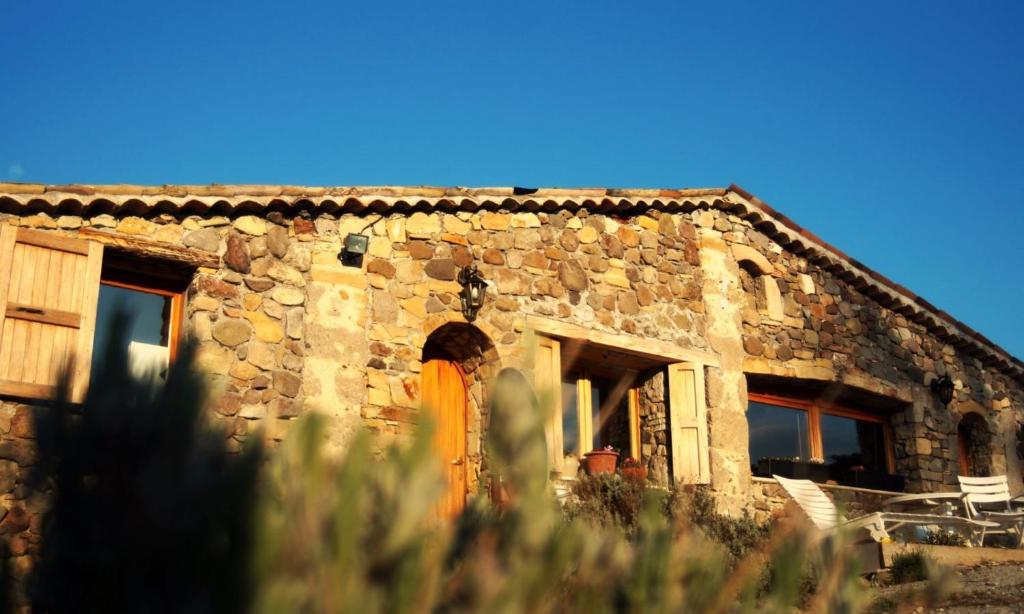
x: 444, y: 396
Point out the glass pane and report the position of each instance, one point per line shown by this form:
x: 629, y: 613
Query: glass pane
x: 853, y: 445
x: 147, y: 337
x: 611, y: 422
x: 570, y: 420
x: 776, y: 433
x: 596, y: 399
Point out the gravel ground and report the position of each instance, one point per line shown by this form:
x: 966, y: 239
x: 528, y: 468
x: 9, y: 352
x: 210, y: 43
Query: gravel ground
x: 987, y: 588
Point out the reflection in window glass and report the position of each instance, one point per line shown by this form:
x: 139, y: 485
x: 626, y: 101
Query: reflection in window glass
x: 611, y: 428
x: 148, y: 335
x: 596, y: 399
x: 776, y: 432
x: 852, y: 444
x: 570, y: 420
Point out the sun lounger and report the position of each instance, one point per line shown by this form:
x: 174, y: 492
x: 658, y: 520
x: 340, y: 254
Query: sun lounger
x: 823, y: 513
x: 989, y: 499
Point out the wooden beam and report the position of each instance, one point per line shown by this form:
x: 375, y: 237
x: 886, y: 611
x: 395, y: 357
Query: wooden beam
x: 50, y: 240
x: 151, y: 249
x: 654, y: 349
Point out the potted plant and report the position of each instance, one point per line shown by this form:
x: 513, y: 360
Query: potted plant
x: 600, y: 461
x: 795, y: 468
x: 631, y: 469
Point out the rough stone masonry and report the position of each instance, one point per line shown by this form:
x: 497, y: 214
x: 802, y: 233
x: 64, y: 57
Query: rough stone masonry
x: 284, y: 328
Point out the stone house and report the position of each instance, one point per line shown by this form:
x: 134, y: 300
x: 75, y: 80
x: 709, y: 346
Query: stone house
x: 700, y: 331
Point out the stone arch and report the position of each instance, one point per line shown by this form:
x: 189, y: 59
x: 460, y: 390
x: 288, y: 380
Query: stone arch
x: 474, y: 351
x: 752, y: 260
x: 758, y: 270
x: 975, y: 448
x: 436, y: 321
x: 465, y: 343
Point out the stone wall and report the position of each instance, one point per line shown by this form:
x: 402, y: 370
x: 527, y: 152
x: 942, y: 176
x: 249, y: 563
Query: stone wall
x: 639, y: 277
x: 249, y: 317
x: 654, y: 436
x: 815, y: 326
x: 768, y: 499
x: 284, y: 328
x: 19, y: 513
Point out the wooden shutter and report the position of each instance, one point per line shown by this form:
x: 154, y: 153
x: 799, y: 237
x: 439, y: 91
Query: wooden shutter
x: 584, y: 417
x: 634, y: 422
x: 548, y: 383
x: 688, y: 422
x: 49, y: 287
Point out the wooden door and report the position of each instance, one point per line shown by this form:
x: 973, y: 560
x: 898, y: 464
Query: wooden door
x: 444, y: 396
x: 963, y: 453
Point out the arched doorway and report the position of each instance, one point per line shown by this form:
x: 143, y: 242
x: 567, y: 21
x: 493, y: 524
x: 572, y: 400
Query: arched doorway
x: 457, y: 361
x: 974, y: 449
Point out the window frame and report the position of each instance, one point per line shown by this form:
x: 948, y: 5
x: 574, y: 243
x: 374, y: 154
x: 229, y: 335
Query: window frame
x: 815, y: 409
x: 177, y: 314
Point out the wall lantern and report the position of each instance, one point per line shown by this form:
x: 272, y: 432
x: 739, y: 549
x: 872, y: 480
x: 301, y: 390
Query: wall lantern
x: 474, y: 289
x: 353, y: 250
x: 943, y: 388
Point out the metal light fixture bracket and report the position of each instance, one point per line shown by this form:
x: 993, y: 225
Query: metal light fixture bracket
x: 353, y: 250
x: 356, y: 245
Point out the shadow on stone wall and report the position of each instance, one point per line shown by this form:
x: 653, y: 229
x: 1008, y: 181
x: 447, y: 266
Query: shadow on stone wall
x: 145, y: 508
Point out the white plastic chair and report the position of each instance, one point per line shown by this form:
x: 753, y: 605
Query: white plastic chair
x: 989, y: 499
x: 823, y: 513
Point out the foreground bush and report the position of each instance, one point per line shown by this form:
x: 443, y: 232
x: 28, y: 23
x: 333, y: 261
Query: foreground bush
x: 148, y: 509
x: 150, y: 513
x: 911, y: 566
x: 358, y: 536
x: 608, y: 500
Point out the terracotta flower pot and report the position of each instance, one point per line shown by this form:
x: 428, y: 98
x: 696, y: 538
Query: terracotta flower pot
x: 600, y: 461
x: 636, y: 474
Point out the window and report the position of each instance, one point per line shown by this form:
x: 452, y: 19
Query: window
x: 853, y: 444
x: 777, y: 432
x: 151, y: 339
x: 592, y: 389
x: 152, y: 294
x: 849, y: 442
x: 58, y: 294
x: 598, y: 412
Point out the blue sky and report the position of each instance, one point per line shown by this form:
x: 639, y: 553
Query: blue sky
x: 892, y: 130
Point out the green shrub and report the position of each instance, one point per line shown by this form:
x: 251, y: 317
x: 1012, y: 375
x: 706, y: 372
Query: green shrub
x: 883, y: 605
x: 738, y: 535
x: 608, y: 500
x: 945, y: 538
x: 910, y: 566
